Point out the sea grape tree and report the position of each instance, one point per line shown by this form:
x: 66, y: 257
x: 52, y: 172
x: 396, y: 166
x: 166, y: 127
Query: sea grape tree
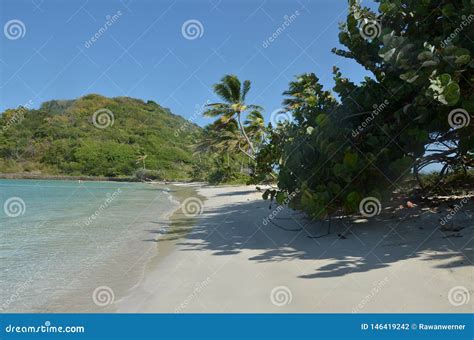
x: 414, y: 110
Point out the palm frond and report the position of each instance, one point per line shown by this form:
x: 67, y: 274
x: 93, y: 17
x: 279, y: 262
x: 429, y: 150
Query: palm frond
x: 255, y: 107
x: 233, y: 84
x: 214, y: 112
x: 224, y: 92
x: 245, y: 90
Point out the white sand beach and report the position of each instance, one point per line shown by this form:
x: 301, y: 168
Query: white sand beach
x: 233, y: 261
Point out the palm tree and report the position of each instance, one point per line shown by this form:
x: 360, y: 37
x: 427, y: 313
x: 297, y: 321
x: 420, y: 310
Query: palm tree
x: 255, y: 126
x: 233, y: 94
x: 141, y: 159
x: 220, y: 138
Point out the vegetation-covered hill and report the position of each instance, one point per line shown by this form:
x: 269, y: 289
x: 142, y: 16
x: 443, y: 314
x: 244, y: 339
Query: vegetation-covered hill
x: 97, y: 136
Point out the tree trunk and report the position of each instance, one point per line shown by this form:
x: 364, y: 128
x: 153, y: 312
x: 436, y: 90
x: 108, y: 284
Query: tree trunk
x: 245, y: 134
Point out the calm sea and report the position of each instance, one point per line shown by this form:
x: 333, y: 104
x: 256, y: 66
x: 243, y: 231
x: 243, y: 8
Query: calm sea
x: 76, y: 246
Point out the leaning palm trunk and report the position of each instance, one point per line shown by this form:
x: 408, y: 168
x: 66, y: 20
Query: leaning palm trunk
x: 233, y: 94
x: 242, y: 129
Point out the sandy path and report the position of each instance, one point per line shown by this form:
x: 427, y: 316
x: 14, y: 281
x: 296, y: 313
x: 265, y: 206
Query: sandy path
x: 232, y: 261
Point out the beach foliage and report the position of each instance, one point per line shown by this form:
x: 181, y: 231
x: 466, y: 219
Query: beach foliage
x: 414, y: 110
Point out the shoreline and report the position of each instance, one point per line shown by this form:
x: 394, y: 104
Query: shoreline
x: 120, y: 264
x: 225, y: 257
x: 32, y: 176
x: 126, y: 276
x: 175, y: 219
x: 154, y: 253
x: 177, y: 194
x: 229, y: 261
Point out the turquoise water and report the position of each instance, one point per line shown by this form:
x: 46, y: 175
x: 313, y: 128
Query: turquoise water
x: 60, y: 240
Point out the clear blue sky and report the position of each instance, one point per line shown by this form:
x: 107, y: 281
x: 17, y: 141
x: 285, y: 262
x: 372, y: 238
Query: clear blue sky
x: 144, y: 54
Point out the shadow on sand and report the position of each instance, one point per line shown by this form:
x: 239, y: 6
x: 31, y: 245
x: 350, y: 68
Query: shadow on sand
x: 354, y: 245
